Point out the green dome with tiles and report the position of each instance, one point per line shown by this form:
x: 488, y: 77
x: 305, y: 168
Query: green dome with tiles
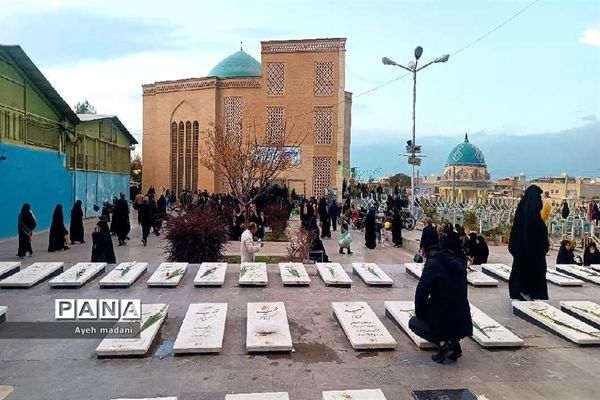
x: 466, y: 154
x: 239, y: 64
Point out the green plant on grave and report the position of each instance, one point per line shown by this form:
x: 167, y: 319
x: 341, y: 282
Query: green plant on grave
x: 243, y: 271
x: 208, y: 271
x: 125, y: 270
x: 175, y: 273
x: 294, y: 272
x: 154, y: 318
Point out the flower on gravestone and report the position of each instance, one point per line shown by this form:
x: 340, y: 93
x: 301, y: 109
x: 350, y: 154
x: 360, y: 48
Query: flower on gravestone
x: 294, y: 272
x: 331, y: 271
x: 175, y: 273
x: 371, y: 270
x: 541, y: 312
x: 125, y: 270
x: 588, y: 311
x: 243, y: 271
x: 154, y: 318
x: 79, y: 273
x: 483, y: 329
x: 208, y: 271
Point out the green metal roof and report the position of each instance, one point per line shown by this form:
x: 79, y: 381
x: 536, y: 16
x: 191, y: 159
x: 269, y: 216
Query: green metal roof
x: 238, y: 64
x: 466, y: 154
x: 115, y: 120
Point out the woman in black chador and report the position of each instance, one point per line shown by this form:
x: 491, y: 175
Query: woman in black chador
x: 565, y: 253
x: 26, y: 225
x: 102, y: 246
x: 370, y: 230
x: 58, y: 232
x: 528, y: 246
x: 76, y: 227
x: 323, y: 211
x: 397, y: 228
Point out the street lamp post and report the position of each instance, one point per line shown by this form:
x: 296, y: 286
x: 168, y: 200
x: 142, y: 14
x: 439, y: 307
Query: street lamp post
x: 412, y: 148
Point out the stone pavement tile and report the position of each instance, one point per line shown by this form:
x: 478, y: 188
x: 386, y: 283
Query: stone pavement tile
x: 575, y: 389
x: 5, y: 390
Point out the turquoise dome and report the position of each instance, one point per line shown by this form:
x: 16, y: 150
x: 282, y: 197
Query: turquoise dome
x: 466, y: 154
x: 236, y: 65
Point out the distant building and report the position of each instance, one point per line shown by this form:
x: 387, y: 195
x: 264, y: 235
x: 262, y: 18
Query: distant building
x: 465, y: 177
x: 50, y: 155
x: 298, y: 83
x: 511, y: 187
x: 569, y: 187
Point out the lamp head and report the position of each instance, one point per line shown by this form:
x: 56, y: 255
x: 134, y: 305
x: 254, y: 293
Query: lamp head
x: 387, y: 61
x: 418, y: 52
x: 442, y: 59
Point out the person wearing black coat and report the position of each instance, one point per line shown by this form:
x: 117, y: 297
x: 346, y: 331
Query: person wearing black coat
x: 565, y: 210
x: 528, y: 245
x: 324, y: 218
x: 25, y: 225
x: 145, y: 219
x: 591, y: 256
x: 442, y: 312
x: 76, y: 227
x: 483, y: 251
x: 370, y: 230
x: 120, y: 222
x: 429, y: 236
x: 334, y: 213
x: 58, y: 232
x: 397, y: 228
x: 102, y: 246
x: 565, y: 253
x: 596, y: 213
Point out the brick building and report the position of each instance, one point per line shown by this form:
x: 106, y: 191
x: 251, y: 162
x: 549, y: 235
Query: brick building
x: 298, y: 83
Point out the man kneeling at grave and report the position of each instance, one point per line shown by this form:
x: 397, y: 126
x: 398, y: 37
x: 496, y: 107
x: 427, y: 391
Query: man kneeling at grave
x: 442, y: 312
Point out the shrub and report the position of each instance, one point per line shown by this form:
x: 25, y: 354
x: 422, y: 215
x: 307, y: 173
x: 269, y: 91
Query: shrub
x: 194, y: 236
x: 277, y: 216
x: 469, y: 219
x: 300, y: 244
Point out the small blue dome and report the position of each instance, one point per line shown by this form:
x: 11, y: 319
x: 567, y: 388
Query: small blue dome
x: 466, y: 154
x: 236, y: 65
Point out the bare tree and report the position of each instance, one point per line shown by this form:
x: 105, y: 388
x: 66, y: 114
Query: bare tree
x: 246, y: 162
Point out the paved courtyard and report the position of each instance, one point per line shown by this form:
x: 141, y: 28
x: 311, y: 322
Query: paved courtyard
x: 547, y: 367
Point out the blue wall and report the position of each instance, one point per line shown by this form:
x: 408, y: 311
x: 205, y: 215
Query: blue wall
x: 39, y: 177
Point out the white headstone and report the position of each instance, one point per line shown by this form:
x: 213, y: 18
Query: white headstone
x: 477, y: 278
x: 3, y: 313
x: 414, y: 269
x: 124, y: 274
x: 293, y: 274
x: 556, y: 321
x: 267, y: 328
x: 202, y: 329
x: 153, y: 316
x: 362, y: 327
x: 595, y: 267
x: 167, y: 274
x: 489, y: 333
x: 587, y: 311
x: 499, y: 271
x: 253, y: 274
x: 78, y: 275
x: 400, y: 312
x: 372, y: 274
x: 211, y: 274
x: 9, y: 268
x: 334, y: 275
x: 258, y: 396
x: 150, y: 398
x: 560, y: 279
x: 368, y: 394
x: 584, y: 273
x: 32, y: 275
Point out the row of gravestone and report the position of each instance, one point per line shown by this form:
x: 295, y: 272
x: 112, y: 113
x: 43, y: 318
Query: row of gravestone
x: 365, y: 394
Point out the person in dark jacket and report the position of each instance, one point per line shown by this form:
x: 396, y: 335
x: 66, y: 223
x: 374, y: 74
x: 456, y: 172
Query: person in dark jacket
x: 334, y: 213
x: 565, y: 253
x: 102, y: 246
x: 472, y: 247
x: 76, y: 227
x: 121, y: 224
x: 596, y: 214
x: 370, y: 230
x: 145, y: 219
x: 442, y: 312
x: 25, y: 225
x: 483, y: 251
x: 397, y: 228
x: 58, y: 232
x: 429, y: 236
x: 565, y: 210
x: 324, y: 218
x: 591, y: 256
x: 528, y: 245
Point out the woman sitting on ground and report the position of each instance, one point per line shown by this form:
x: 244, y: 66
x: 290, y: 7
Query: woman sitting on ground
x: 565, y: 253
x: 591, y: 256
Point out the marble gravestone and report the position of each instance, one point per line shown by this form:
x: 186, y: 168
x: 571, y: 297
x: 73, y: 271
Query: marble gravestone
x: 587, y: 311
x: 267, y: 328
x: 293, y: 274
x: 167, y: 275
x: 595, y: 267
x: 3, y: 313
x: 372, y: 274
x: 560, y: 279
x: 333, y: 275
x: 414, y: 269
x: 400, y: 312
x: 124, y: 274
x: 253, y: 274
x: 150, y: 398
x: 258, y: 396
x: 556, y: 321
x: 211, y: 274
x: 477, y: 278
x: 202, y: 329
x: 498, y: 271
x: 367, y: 394
x: 489, y: 333
x: 362, y: 327
x: 444, y: 394
x: 153, y: 316
x: 32, y: 275
x: 577, y: 271
x: 9, y: 268
x: 78, y: 275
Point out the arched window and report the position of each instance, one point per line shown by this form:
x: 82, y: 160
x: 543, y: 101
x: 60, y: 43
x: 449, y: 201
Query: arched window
x: 188, y: 155
x: 196, y: 138
x: 174, y: 156
x: 180, y: 149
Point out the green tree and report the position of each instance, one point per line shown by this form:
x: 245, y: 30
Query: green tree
x: 400, y: 179
x: 84, y: 108
x: 136, y: 169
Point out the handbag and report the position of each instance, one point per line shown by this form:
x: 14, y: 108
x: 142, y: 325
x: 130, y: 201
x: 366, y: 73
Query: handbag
x: 345, y: 240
